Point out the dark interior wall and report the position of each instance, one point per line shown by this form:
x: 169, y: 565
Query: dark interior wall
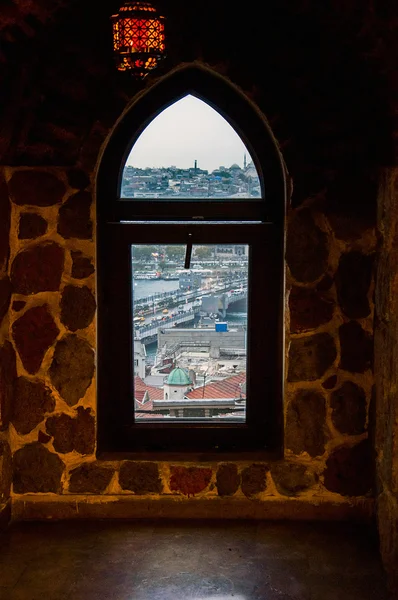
x: 317, y: 72
x: 322, y: 73
x: 386, y: 338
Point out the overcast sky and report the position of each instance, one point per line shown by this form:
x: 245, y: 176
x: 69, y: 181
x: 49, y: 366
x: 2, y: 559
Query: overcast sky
x: 186, y: 131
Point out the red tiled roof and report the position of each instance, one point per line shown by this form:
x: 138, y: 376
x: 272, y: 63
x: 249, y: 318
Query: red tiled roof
x: 140, y: 387
x: 146, y: 406
x: 142, y: 410
x: 227, y: 388
x: 139, y: 395
x: 139, y: 384
x: 147, y: 415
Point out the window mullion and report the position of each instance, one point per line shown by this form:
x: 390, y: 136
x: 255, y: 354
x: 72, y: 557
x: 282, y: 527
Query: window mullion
x: 227, y: 210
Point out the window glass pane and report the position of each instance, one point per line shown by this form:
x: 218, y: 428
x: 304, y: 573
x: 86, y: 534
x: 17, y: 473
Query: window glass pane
x: 189, y: 330
x: 190, y: 151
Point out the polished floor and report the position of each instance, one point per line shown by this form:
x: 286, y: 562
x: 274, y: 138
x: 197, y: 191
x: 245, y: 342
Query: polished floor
x: 190, y: 560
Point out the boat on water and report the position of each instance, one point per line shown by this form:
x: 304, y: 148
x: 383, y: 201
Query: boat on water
x: 147, y: 276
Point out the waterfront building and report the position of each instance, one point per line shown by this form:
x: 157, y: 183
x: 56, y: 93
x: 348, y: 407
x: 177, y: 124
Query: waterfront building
x: 231, y: 250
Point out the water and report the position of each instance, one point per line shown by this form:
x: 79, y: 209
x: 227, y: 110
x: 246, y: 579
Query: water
x: 151, y: 350
x: 238, y: 318
x: 143, y: 287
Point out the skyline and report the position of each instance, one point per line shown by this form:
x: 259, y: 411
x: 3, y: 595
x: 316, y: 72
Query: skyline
x: 198, y: 132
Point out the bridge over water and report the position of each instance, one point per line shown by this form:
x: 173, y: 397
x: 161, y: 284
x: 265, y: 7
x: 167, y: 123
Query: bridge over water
x: 148, y: 332
x: 215, y: 300
x: 218, y: 303
x: 165, y: 299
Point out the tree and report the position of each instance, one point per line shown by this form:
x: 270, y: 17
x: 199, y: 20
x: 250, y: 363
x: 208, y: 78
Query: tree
x: 143, y: 252
x: 203, y: 252
x: 175, y: 252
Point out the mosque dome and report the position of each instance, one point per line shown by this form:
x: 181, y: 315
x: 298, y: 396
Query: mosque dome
x: 179, y: 376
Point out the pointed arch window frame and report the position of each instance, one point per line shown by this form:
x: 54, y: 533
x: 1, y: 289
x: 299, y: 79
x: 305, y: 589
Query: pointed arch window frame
x: 125, y: 221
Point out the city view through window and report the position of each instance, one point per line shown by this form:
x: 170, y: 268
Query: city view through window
x: 190, y: 325
x: 189, y: 151
x: 189, y: 330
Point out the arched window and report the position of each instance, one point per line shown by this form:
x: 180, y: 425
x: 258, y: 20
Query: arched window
x: 190, y: 272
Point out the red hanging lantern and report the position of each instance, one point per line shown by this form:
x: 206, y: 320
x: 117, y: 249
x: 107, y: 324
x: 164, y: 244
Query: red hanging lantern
x: 138, y: 38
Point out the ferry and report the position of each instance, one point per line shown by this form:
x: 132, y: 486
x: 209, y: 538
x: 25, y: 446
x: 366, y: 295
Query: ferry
x: 148, y: 276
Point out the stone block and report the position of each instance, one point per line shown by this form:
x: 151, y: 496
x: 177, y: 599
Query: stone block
x: 82, y: 266
x: 140, y: 477
x: 308, y: 309
x: 330, y: 382
x: 350, y: 470
x: 348, y: 405
x: 90, y: 478
x: 77, y: 307
x: 8, y: 379
x: 34, y: 332
x: 72, y: 368
x: 291, y: 478
x: 356, y: 348
x: 74, y: 220
x: 189, y: 480
x: 37, y: 188
x: 31, y: 226
x: 353, y: 278
x: 18, y: 305
x: 38, y: 268
x: 310, y: 357
x: 73, y: 433
x: 254, y: 479
x: 227, y: 479
x: 33, y: 399
x: 37, y: 470
x: 43, y: 438
x: 306, y: 423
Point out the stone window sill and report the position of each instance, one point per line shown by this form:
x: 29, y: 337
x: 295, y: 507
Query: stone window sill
x: 196, y: 457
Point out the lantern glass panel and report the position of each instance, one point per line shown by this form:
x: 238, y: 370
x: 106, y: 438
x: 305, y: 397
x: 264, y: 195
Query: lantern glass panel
x: 138, y: 38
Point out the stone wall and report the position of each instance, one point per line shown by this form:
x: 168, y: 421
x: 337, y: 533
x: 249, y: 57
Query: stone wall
x: 51, y: 274
x: 8, y: 372
x: 325, y: 76
x: 386, y: 360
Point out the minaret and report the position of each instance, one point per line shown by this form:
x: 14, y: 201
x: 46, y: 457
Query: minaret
x: 244, y: 161
x: 196, y: 165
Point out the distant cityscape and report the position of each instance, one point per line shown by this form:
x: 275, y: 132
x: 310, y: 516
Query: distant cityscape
x: 171, y: 182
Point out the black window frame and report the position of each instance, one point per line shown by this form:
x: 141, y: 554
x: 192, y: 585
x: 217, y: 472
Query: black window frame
x: 257, y: 222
